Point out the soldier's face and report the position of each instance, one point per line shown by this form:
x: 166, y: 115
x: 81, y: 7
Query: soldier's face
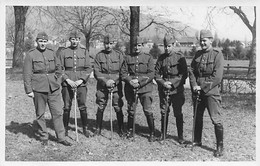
x: 168, y: 48
x: 41, y: 44
x: 74, y: 42
x: 138, y: 48
x: 205, y: 43
x: 108, y: 46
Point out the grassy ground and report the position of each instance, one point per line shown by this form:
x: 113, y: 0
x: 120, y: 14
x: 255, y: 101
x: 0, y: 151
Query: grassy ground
x: 21, y: 145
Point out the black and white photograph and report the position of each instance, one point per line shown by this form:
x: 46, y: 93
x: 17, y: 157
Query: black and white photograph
x: 141, y: 82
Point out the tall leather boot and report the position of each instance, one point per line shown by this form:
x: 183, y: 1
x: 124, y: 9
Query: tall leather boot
x: 179, y: 124
x: 130, y: 122
x: 99, y: 121
x: 120, y: 122
x: 219, y: 137
x: 66, y: 119
x: 84, y: 120
x: 162, y: 126
x: 150, y: 122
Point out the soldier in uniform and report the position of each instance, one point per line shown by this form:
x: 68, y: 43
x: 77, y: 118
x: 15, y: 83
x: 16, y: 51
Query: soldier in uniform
x: 205, y: 75
x: 138, y: 72
x: 170, y: 75
x: 107, y: 66
x: 41, y: 75
x: 75, y: 62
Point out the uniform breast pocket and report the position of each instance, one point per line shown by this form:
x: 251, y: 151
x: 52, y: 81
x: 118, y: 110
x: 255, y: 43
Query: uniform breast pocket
x: 174, y: 68
x: 131, y: 67
x: 143, y: 66
x: 51, y: 64
x: 81, y: 61
x: 38, y: 64
x: 115, y: 64
x: 103, y: 65
x: 68, y: 61
x: 209, y: 68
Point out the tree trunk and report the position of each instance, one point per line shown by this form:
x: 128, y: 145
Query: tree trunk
x: 134, y: 26
x: 252, y: 61
x: 20, y: 18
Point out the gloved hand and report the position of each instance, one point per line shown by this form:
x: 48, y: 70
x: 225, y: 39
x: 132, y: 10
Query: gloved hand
x: 110, y: 83
x: 71, y: 83
x: 134, y: 83
x: 30, y: 95
x: 78, y: 82
x: 167, y: 85
x: 196, y: 88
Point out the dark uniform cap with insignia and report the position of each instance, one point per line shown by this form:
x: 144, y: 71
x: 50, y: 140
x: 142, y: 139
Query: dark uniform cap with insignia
x: 74, y: 34
x: 168, y: 40
x: 42, y: 35
x: 205, y: 34
x: 108, y: 39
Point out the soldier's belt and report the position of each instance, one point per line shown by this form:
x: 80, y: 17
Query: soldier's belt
x: 73, y: 69
x: 139, y: 74
x: 44, y: 72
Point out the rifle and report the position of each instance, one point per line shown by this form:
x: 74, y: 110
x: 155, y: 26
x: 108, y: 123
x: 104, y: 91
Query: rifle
x: 75, y: 114
x: 197, y: 99
x: 135, y: 105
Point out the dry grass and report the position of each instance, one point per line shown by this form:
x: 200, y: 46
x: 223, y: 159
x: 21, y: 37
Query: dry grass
x: 21, y: 145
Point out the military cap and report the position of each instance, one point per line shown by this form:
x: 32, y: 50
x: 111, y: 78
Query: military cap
x: 42, y: 35
x: 205, y: 34
x: 168, y: 40
x: 74, y: 34
x: 108, y: 39
x: 139, y: 40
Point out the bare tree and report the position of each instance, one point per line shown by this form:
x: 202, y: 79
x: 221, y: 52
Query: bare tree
x: 121, y: 19
x: 252, y: 27
x: 90, y: 20
x: 241, y: 13
x: 20, y: 19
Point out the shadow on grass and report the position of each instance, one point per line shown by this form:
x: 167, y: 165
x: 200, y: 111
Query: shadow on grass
x: 29, y: 129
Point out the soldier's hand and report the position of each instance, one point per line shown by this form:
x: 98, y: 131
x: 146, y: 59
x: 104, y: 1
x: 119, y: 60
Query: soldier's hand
x: 71, y: 83
x: 110, y: 83
x: 30, y: 95
x: 78, y: 82
x: 134, y: 83
x: 196, y: 88
x: 167, y: 85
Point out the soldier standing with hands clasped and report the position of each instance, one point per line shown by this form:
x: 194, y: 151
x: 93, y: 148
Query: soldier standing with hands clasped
x: 41, y: 75
x: 206, y: 73
x: 138, y: 72
x: 107, y: 67
x: 76, y: 67
x: 170, y: 73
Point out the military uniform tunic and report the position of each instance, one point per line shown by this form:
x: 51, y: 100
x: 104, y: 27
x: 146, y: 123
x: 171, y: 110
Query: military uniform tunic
x: 171, y: 67
x: 107, y: 66
x: 206, y: 71
x: 41, y: 74
x: 76, y: 65
x: 138, y: 66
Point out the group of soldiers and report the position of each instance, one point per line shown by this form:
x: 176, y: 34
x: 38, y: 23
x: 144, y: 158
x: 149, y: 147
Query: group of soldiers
x: 48, y: 77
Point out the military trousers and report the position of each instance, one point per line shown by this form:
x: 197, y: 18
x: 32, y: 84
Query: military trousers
x: 53, y: 99
x: 212, y: 103
x: 102, y: 97
x: 68, y: 95
x: 145, y: 100
x: 175, y: 100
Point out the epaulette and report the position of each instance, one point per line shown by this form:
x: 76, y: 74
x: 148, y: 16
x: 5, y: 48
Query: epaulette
x: 147, y: 54
x: 216, y: 50
x: 83, y: 47
x: 49, y: 48
x: 32, y: 49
